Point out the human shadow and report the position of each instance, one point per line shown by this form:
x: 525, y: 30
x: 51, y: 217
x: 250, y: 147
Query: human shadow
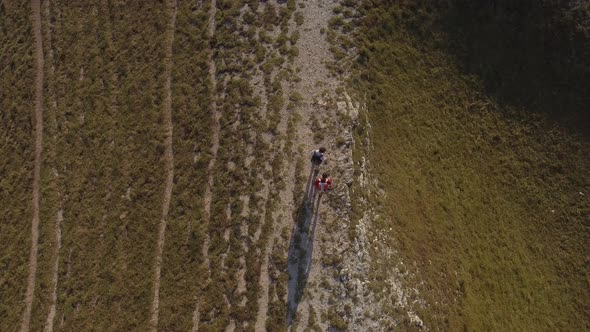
x: 301, y: 246
x: 309, y: 188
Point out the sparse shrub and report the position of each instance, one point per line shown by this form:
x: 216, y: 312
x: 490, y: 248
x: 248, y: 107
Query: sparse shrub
x: 335, y: 22
x: 269, y: 17
x: 249, y: 18
x: 294, y: 37
x: 336, y: 321
x: 299, y: 18
x: 293, y: 52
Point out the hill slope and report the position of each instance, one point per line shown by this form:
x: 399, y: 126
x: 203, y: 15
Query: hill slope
x: 175, y: 158
x: 173, y: 183
x: 480, y: 153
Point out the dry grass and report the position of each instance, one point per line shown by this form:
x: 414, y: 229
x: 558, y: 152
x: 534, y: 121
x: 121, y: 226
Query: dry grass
x: 484, y: 191
x: 16, y: 165
x: 104, y: 141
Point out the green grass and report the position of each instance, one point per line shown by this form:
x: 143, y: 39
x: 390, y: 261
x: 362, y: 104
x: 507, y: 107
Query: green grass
x: 482, y: 186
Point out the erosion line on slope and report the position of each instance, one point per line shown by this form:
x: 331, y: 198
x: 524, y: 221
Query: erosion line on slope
x: 169, y: 165
x: 263, y: 299
x: 286, y: 200
x: 214, y: 149
x: 196, y: 319
x: 49, y: 322
x: 52, y: 309
x: 264, y: 279
x: 216, y: 115
x: 38, y: 52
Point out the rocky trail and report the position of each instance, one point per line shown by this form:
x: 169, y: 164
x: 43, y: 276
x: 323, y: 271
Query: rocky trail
x: 309, y: 240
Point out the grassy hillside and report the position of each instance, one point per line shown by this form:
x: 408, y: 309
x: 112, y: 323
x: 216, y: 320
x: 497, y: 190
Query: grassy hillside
x: 16, y: 165
x: 481, y: 149
x: 479, y: 132
x: 103, y: 168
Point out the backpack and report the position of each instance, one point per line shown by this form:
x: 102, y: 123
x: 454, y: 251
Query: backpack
x: 316, y: 156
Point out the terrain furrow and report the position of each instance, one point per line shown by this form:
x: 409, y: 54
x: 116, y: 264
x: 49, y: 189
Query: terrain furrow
x: 49, y: 322
x: 39, y: 64
x: 282, y: 168
x: 216, y: 115
x: 169, y: 164
x: 263, y: 299
x: 263, y: 279
x: 54, y: 280
x: 278, y: 195
x: 214, y: 149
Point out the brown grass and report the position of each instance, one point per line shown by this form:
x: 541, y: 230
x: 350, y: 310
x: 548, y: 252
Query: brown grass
x: 485, y: 195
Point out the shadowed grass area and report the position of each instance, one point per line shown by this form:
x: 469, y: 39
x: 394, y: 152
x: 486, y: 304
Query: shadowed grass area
x: 531, y: 56
x: 486, y: 193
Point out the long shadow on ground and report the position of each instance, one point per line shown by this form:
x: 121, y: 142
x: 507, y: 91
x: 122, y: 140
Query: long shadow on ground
x: 301, y: 247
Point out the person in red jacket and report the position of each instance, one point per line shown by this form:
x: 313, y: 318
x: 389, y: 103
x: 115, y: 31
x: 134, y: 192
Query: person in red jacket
x: 323, y: 184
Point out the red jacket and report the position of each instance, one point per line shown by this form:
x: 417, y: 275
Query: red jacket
x: 323, y: 186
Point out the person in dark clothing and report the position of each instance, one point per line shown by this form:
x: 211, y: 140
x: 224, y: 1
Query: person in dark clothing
x: 318, y: 157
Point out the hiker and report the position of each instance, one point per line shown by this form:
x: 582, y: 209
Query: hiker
x: 323, y: 184
x: 317, y: 157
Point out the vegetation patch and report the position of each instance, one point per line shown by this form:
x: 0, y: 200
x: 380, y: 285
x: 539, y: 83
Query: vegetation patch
x: 17, y: 149
x: 480, y: 152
